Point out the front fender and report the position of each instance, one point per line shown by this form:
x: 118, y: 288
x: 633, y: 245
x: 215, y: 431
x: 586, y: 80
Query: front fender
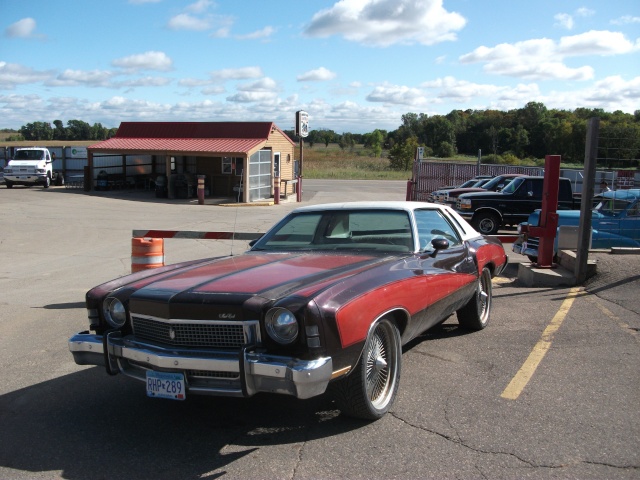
x: 484, y: 210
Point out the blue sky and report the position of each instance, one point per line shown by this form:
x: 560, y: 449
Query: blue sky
x: 353, y: 65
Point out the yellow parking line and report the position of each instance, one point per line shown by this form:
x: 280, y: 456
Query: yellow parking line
x: 519, y: 382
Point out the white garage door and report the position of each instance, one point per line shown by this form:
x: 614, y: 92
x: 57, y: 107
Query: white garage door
x: 260, y: 175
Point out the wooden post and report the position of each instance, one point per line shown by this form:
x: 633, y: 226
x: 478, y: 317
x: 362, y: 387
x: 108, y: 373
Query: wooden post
x: 299, y: 187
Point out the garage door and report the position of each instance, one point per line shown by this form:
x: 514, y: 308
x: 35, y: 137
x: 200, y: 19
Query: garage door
x: 260, y: 175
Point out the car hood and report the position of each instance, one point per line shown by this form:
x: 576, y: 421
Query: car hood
x: 458, y: 191
x: 232, y: 281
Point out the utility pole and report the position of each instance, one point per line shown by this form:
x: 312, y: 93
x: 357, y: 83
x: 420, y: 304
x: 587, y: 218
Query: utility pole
x: 584, y: 231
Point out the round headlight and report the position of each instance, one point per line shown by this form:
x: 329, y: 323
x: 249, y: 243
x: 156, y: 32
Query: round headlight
x: 114, y: 312
x: 281, y: 325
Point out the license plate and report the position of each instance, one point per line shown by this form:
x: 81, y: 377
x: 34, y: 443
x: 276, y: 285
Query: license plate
x: 166, y: 385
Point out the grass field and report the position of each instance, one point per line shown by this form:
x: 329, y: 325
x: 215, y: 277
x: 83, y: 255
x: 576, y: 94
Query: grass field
x: 355, y: 164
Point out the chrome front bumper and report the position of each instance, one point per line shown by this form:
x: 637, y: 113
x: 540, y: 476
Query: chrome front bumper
x: 528, y: 251
x: 223, y: 373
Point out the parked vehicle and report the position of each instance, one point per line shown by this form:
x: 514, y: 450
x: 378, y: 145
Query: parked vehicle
x: 615, y: 222
x: 30, y: 166
x: 495, y: 184
x: 488, y: 211
x: 472, y: 182
x: 325, y: 299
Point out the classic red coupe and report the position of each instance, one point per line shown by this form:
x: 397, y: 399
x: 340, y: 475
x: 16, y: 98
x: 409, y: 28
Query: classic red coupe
x: 324, y: 300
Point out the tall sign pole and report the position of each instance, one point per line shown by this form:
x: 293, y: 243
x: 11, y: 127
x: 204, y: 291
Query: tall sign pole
x: 302, y: 131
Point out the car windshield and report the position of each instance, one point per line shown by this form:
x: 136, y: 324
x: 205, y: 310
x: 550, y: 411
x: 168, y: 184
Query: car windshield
x: 29, y: 155
x: 612, y: 207
x: 493, y: 182
x: 468, y: 183
x: 513, y: 185
x: 362, y: 230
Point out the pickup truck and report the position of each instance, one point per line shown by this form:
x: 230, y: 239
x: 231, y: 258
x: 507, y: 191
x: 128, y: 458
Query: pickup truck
x: 488, y: 211
x: 615, y: 222
x: 30, y: 166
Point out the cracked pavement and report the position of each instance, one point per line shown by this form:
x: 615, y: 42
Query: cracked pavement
x: 576, y: 418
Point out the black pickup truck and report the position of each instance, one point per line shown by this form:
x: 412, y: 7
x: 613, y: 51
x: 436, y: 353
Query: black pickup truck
x: 488, y: 211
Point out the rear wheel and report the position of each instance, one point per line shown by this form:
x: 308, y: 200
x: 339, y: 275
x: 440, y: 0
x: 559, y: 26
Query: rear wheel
x: 487, y: 223
x: 475, y: 314
x: 370, y: 390
x: 8, y: 183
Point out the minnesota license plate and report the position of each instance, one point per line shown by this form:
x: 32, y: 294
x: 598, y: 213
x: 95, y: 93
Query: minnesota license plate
x: 166, y: 385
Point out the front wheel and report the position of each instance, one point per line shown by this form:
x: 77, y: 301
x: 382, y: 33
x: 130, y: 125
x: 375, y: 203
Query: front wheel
x: 370, y: 390
x: 8, y: 184
x: 47, y: 182
x: 487, y: 223
x: 475, y: 314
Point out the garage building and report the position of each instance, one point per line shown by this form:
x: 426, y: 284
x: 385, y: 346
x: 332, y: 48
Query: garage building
x: 243, y: 160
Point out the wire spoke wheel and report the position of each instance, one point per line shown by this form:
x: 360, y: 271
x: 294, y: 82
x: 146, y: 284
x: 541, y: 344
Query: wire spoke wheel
x: 377, y: 368
x: 370, y: 390
x: 476, y: 313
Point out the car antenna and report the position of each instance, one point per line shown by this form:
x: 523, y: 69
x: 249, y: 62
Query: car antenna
x: 233, y: 234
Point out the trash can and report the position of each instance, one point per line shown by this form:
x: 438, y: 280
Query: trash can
x: 103, y: 180
x: 161, y: 186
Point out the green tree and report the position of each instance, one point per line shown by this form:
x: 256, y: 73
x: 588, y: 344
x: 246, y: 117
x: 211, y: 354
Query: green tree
x: 402, y: 154
x: 37, y: 131
x: 346, y: 141
x: 446, y: 150
x: 374, y: 141
x: 59, y: 132
x: 78, y: 130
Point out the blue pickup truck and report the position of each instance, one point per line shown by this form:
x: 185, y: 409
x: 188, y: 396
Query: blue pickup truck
x: 615, y: 222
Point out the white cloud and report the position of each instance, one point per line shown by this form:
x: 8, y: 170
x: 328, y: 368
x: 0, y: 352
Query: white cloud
x: 585, y: 12
x: 263, y: 85
x: 595, y: 43
x: 450, y: 89
x: 318, y: 75
x: 387, y: 22
x: 266, y: 32
x: 24, y: 28
x: 625, y: 20
x: 13, y: 74
x: 249, y: 97
x: 145, y: 82
x: 564, y: 20
x: 397, y: 95
x: 236, y: 73
x: 93, y: 78
x: 145, y: 61
x: 543, y: 59
x: 200, y: 6
x: 184, y: 21
x: 213, y: 90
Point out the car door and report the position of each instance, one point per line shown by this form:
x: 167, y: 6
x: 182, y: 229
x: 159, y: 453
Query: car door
x: 630, y: 222
x: 448, y: 273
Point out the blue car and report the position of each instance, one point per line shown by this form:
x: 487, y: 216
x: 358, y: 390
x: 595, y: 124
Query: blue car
x: 615, y: 222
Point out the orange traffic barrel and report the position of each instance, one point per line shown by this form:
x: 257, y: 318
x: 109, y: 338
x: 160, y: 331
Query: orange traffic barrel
x: 146, y: 253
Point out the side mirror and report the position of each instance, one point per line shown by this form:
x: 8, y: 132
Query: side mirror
x: 439, y: 244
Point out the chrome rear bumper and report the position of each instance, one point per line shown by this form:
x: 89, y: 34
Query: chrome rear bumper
x: 223, y: 373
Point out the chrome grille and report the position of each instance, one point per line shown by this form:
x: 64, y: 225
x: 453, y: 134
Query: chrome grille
x: 183, y: 333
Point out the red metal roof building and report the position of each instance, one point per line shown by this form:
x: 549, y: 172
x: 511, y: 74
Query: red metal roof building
x: 245, y: 157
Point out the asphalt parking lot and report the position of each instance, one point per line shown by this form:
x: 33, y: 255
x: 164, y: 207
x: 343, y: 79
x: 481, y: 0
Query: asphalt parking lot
x: 549, y: 390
